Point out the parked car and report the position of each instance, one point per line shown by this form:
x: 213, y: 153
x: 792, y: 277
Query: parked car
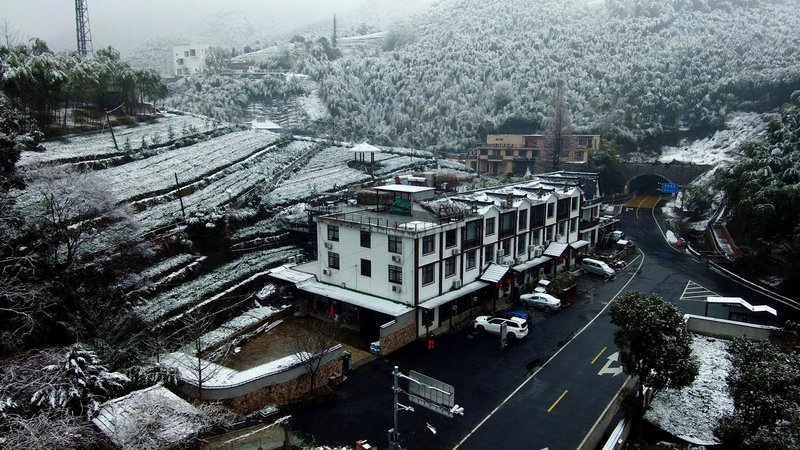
x: 516, y: 327
x: 540, y: 300
x: 513, y: 312
x: 597, y: 267
x: 542, y: 286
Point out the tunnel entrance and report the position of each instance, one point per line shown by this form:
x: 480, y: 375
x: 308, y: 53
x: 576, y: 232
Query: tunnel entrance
x: 645, y: 184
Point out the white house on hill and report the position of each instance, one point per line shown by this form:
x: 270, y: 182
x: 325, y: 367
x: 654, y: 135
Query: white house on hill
x: 189, y: 59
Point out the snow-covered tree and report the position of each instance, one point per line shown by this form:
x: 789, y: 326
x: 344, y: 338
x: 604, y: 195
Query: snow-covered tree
x: 654, y: 345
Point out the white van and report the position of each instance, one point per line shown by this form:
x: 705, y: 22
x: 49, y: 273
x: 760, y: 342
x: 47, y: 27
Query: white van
x: 597, y: 267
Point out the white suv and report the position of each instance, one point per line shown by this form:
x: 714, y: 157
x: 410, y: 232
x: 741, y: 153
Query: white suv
x: 516, y: 327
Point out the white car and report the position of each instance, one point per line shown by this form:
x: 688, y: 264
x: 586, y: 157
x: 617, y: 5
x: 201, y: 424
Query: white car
x: 540, y: 300
x: 515, y: 327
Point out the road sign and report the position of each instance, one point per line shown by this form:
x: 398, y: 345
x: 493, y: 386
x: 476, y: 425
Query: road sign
x: 431, y: 393
x: 669, y: 188
x: 607, y: 369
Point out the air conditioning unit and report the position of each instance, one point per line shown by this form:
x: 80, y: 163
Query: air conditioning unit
x: 531, y: 248
x: 397, y: 258
x: 326, y: 271
x: 396, y: 288
x: 454, y: 252
x: 328, y: 245
x: 456, y: 284
x: 538, y: 251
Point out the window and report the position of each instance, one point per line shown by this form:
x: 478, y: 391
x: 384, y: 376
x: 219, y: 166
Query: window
x: 551, y: 209
x: 428, y: 244
x: 574, y: 224
x: 549, y: 233
x: 366, y: 240
x: 536, y: 238
x: 192, y: 52
x: 509, y: 152
x: 366, y: 268
x: 490, y: 226
x: 186, y: 54
x: 488, y: 253
x: 523, y: 219
x: 333, y: 233
x: 395, y: 244
x: 179, y: 61
x: 523, y: 154
x: 579, y: 155
x: 472, y: 259
x: 495, y: 152
x: 483, y: 152
x: 333, y: 260
x: 574, y: 203
x: 537, y: 216
x: 427, y: 274
x: 450, y: 238
x: 562, y: 228
x: 395, y: 274
x: 450, y: 266
x: 521, y: 245
x: 505, y: 247
x: 507, y: 224
x: 471, y: 233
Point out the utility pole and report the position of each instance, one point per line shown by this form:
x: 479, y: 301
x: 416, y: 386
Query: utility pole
x: 84, y: 34
x: 180, y: 197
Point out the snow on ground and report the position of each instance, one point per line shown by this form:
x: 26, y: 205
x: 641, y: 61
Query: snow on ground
x: 169, y: 265
x: 190, y: 163
x: 218, y: 282
x: 722, y: 146
x: 85, y: 146
x: 693, y: 412
x: 229, y: 330
x: 326, y: 169
x: 671, y: 238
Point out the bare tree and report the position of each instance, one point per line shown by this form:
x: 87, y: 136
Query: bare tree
x: 557, y: 133
x: 310, y: 347
x: 73, y: 209
x: 195, y: 330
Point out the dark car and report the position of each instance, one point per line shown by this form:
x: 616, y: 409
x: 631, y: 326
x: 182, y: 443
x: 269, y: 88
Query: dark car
x: 513, y: 312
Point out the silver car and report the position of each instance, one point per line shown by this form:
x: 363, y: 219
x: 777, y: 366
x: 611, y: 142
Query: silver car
x: 541, y: 300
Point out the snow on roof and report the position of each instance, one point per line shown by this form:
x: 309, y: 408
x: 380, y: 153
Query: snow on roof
x: 693, y: 412
x: 262, y: 123
x: 556, y: 249
x: 494, y: 273
x: 365, y: 148
x: 286, y: 272
x: 167, y: 418
x: 582, y: 243
x: 532, y: 263
x: 370, y: 302
x: 405, y: 188
x: 452, y: 295
x: 742, y: 302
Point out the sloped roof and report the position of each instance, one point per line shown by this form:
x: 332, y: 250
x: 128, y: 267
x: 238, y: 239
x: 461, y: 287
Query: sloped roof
x: 556, y: 249
x: 365, y: 148
x: 494, y: 273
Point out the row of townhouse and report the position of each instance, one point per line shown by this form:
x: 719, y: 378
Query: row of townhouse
x: 397, y: 269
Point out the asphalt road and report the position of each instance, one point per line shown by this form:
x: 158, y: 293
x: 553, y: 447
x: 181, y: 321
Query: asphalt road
x: 510, y: 400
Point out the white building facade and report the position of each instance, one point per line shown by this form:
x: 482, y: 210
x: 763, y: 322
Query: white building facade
x: 420, y: 263
x: 189, y: 59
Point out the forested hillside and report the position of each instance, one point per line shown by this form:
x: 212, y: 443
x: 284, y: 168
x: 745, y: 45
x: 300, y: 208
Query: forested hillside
x: 646, y: 67
x: 763, y: 191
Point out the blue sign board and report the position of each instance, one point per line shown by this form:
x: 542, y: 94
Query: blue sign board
x: 669, y: 188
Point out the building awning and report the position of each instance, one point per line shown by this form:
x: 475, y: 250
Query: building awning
x: 454, y: 294
x: 532, y: 263
x: 366, y: 301
x: 579, y: 244
x: 556, y: 249
x: 287, y: 273
x: 494, y: 273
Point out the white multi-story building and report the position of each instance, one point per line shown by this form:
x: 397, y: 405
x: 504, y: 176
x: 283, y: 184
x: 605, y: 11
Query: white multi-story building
x: 408, y: 263
x: 189, y: 59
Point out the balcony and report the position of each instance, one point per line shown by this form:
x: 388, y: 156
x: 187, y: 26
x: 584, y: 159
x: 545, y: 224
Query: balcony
x: 586, y: 224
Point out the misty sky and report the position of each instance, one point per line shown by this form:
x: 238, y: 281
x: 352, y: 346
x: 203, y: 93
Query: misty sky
x: 124, y: 24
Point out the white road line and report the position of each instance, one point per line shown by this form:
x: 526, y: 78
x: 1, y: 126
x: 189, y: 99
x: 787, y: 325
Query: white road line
x: 552, y: 357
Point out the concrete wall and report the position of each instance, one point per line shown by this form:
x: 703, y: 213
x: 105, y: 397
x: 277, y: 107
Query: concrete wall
x: 726, y: 329
x: 267, y: 382
x: 282, y: 393
x: 398, y: 333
